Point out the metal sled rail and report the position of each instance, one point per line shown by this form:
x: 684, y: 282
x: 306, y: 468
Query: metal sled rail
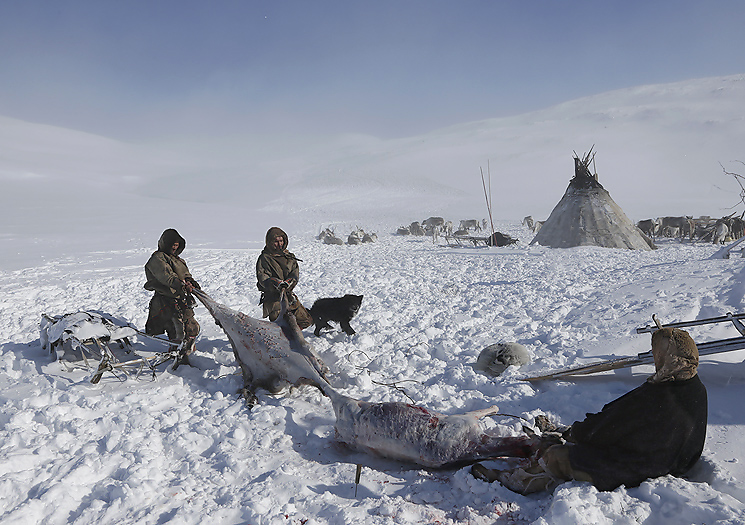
x: 645, y: 358
x: 698, y: 322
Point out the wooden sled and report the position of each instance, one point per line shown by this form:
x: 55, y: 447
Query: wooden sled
x: 89, y: 336
x: 496, y: 239
x: 645, y: 358
x: 466, y: 240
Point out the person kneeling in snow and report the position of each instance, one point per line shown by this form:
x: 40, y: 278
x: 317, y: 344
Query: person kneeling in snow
x: 657, y: 429
x: 172, y: 306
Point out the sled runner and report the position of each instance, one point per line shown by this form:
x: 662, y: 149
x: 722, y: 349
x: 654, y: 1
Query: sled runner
x: 466, y: 240
x: 92, y: 337
x: 645, y: 358
x: 496, y: 239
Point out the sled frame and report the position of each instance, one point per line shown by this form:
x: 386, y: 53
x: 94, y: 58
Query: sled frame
x: 456, y: 241
x: 645, y: 358
x: 109, y: 362
x: 97, y: 348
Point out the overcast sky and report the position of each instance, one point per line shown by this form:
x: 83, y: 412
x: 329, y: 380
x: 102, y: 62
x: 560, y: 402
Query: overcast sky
x: 141, y: 69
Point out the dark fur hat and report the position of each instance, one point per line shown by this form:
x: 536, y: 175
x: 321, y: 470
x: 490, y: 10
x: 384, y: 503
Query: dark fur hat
x: 675, y: 355
x: 167, y: 238
x: 272, y: 233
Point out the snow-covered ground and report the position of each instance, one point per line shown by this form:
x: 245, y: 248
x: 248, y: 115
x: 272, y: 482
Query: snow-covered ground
x: 184, y: 448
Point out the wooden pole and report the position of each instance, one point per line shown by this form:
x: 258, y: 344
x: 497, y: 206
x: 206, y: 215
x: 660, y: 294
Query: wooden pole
x: 487, y: 197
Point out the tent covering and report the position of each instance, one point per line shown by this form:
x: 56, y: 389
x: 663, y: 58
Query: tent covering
x: 587, y: 216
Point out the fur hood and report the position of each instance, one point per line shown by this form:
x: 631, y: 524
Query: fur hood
x: 271, y: 234
x: 167, y: 238
x: 675, y: 355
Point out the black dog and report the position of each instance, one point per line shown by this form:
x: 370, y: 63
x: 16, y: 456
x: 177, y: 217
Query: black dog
x: 337, y: 309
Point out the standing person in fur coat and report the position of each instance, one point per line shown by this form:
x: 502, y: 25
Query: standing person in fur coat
x: 277, y: 270
x: 172, y: 305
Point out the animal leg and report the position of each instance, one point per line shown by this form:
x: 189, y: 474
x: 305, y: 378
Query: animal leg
x: 305, y: 381
x: 527, y: 481
x: 248, y: 390
x: 482, y: 413
x: 321, y: 323
x: 347, y: 328
x: 249, y: 396
x: 483, y: 473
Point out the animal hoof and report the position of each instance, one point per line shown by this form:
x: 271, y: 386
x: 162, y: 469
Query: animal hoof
x: 250, y: 397
x: 543, y: 423
x: 479, y: 471
x: 524, y: 482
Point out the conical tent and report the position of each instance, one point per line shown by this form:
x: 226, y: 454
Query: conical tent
x: 587, y: 216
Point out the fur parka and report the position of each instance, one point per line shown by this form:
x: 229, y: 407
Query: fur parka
x: 658, y: 428
x: 165, y: 273
x: 274, y: 267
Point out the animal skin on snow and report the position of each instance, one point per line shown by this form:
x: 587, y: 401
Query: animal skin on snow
x: 272, y: 355
x: 414, y: 434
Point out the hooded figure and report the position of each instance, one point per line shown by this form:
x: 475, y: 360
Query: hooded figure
x: 171, y: 308
x: 657, y: 429
x: 277, y: 269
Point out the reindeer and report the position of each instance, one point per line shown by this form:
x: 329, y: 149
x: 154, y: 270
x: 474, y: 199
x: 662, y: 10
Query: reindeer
x: 329, y: 237
x: 433, y: 222
x: 649, y: 227
x: 720, y: 231
x: 416, y: 229
x: 469, y: 224
x: 676, y: 226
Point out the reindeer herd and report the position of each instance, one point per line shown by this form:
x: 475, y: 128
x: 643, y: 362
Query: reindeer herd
x: 532, y: 224
x: 436, y: 226
x: 704, y: 228
x: 357, y: 236
x: 717, y: 231
x: 433, y: 226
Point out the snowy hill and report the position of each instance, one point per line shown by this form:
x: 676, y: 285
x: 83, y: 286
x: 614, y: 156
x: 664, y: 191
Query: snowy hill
x: 79, y: 216
x: 659, y: 150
